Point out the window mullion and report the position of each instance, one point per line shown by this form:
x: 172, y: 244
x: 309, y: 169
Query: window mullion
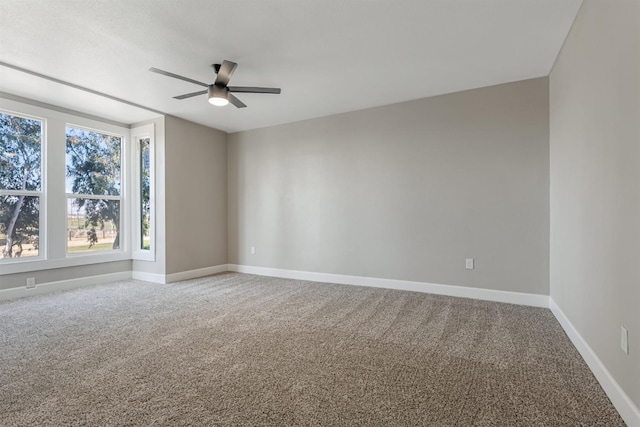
x: 22, y: 193
x: 93, y: 196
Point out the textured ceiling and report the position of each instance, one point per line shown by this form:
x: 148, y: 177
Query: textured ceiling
x: 328, y: 56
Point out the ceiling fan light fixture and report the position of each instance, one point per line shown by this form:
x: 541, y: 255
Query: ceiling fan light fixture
x: 218, y: 96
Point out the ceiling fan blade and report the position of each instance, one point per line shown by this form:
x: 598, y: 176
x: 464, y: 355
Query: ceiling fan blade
x: 235, y: 101
x: 189, y: 95
x: 175, y: 76
x: 225, y: 72
x: 252, y: 89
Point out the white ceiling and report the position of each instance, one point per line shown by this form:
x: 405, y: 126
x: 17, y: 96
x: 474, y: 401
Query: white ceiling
x: 328, y: 56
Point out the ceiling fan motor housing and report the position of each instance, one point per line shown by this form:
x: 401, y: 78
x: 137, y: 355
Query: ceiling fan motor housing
x: 217, y: 90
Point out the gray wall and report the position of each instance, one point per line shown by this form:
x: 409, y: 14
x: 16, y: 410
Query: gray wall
x: 195, y: 196
x: 595, y: 183
x: 405, y: 191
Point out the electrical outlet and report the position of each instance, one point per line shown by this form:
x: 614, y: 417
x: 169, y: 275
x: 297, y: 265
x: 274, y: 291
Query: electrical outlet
x: 469, y: 264
x: 31, y: 282
x: 624, y: 339
x: 253, y: 250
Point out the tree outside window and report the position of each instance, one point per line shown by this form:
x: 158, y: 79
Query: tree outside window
x: 145, y: 193
x: 93, y: 167
x: 20, y: 185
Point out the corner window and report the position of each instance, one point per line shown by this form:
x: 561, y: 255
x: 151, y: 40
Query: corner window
x: 143, y: 194
x: 93, y: 191
x: 20, y: 186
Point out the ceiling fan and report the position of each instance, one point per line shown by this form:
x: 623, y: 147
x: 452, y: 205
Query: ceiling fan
x: 219, y: 93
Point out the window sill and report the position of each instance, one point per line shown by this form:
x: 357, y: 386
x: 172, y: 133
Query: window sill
x: 24, y: 266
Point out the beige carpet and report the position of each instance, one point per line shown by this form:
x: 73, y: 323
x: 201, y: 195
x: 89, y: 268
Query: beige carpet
x: 237, y: 349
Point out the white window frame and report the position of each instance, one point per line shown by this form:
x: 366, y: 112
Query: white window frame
x: 123, y: 231
x: 41, y: 194
x: 138, y: 133
x: 52, y: 249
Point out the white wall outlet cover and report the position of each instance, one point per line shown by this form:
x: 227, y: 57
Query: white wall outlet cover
x: 469, y: 263
x: 624, y: 339
x: 253, y: 250
x: 31, y: 282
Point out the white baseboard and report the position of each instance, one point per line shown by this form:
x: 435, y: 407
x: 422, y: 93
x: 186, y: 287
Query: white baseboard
x: 148, y: 277
x: 182, y: 275
x: 534, y: 300
x: 622, y: 402
x: 63, y: 285
x: 193, y: 274
x: 450, y: 290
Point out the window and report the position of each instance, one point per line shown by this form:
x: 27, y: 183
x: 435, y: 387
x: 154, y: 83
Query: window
x: 73, y: 190
x: 93, y: 190
x: 143, y: 193
x: 20, y: 186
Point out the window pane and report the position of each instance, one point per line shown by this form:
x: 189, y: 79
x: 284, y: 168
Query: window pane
x: 20, y: 148
x: 19, y: 225
x: 93, y: 225
x: 93, y: 162
x: 145, y: 195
